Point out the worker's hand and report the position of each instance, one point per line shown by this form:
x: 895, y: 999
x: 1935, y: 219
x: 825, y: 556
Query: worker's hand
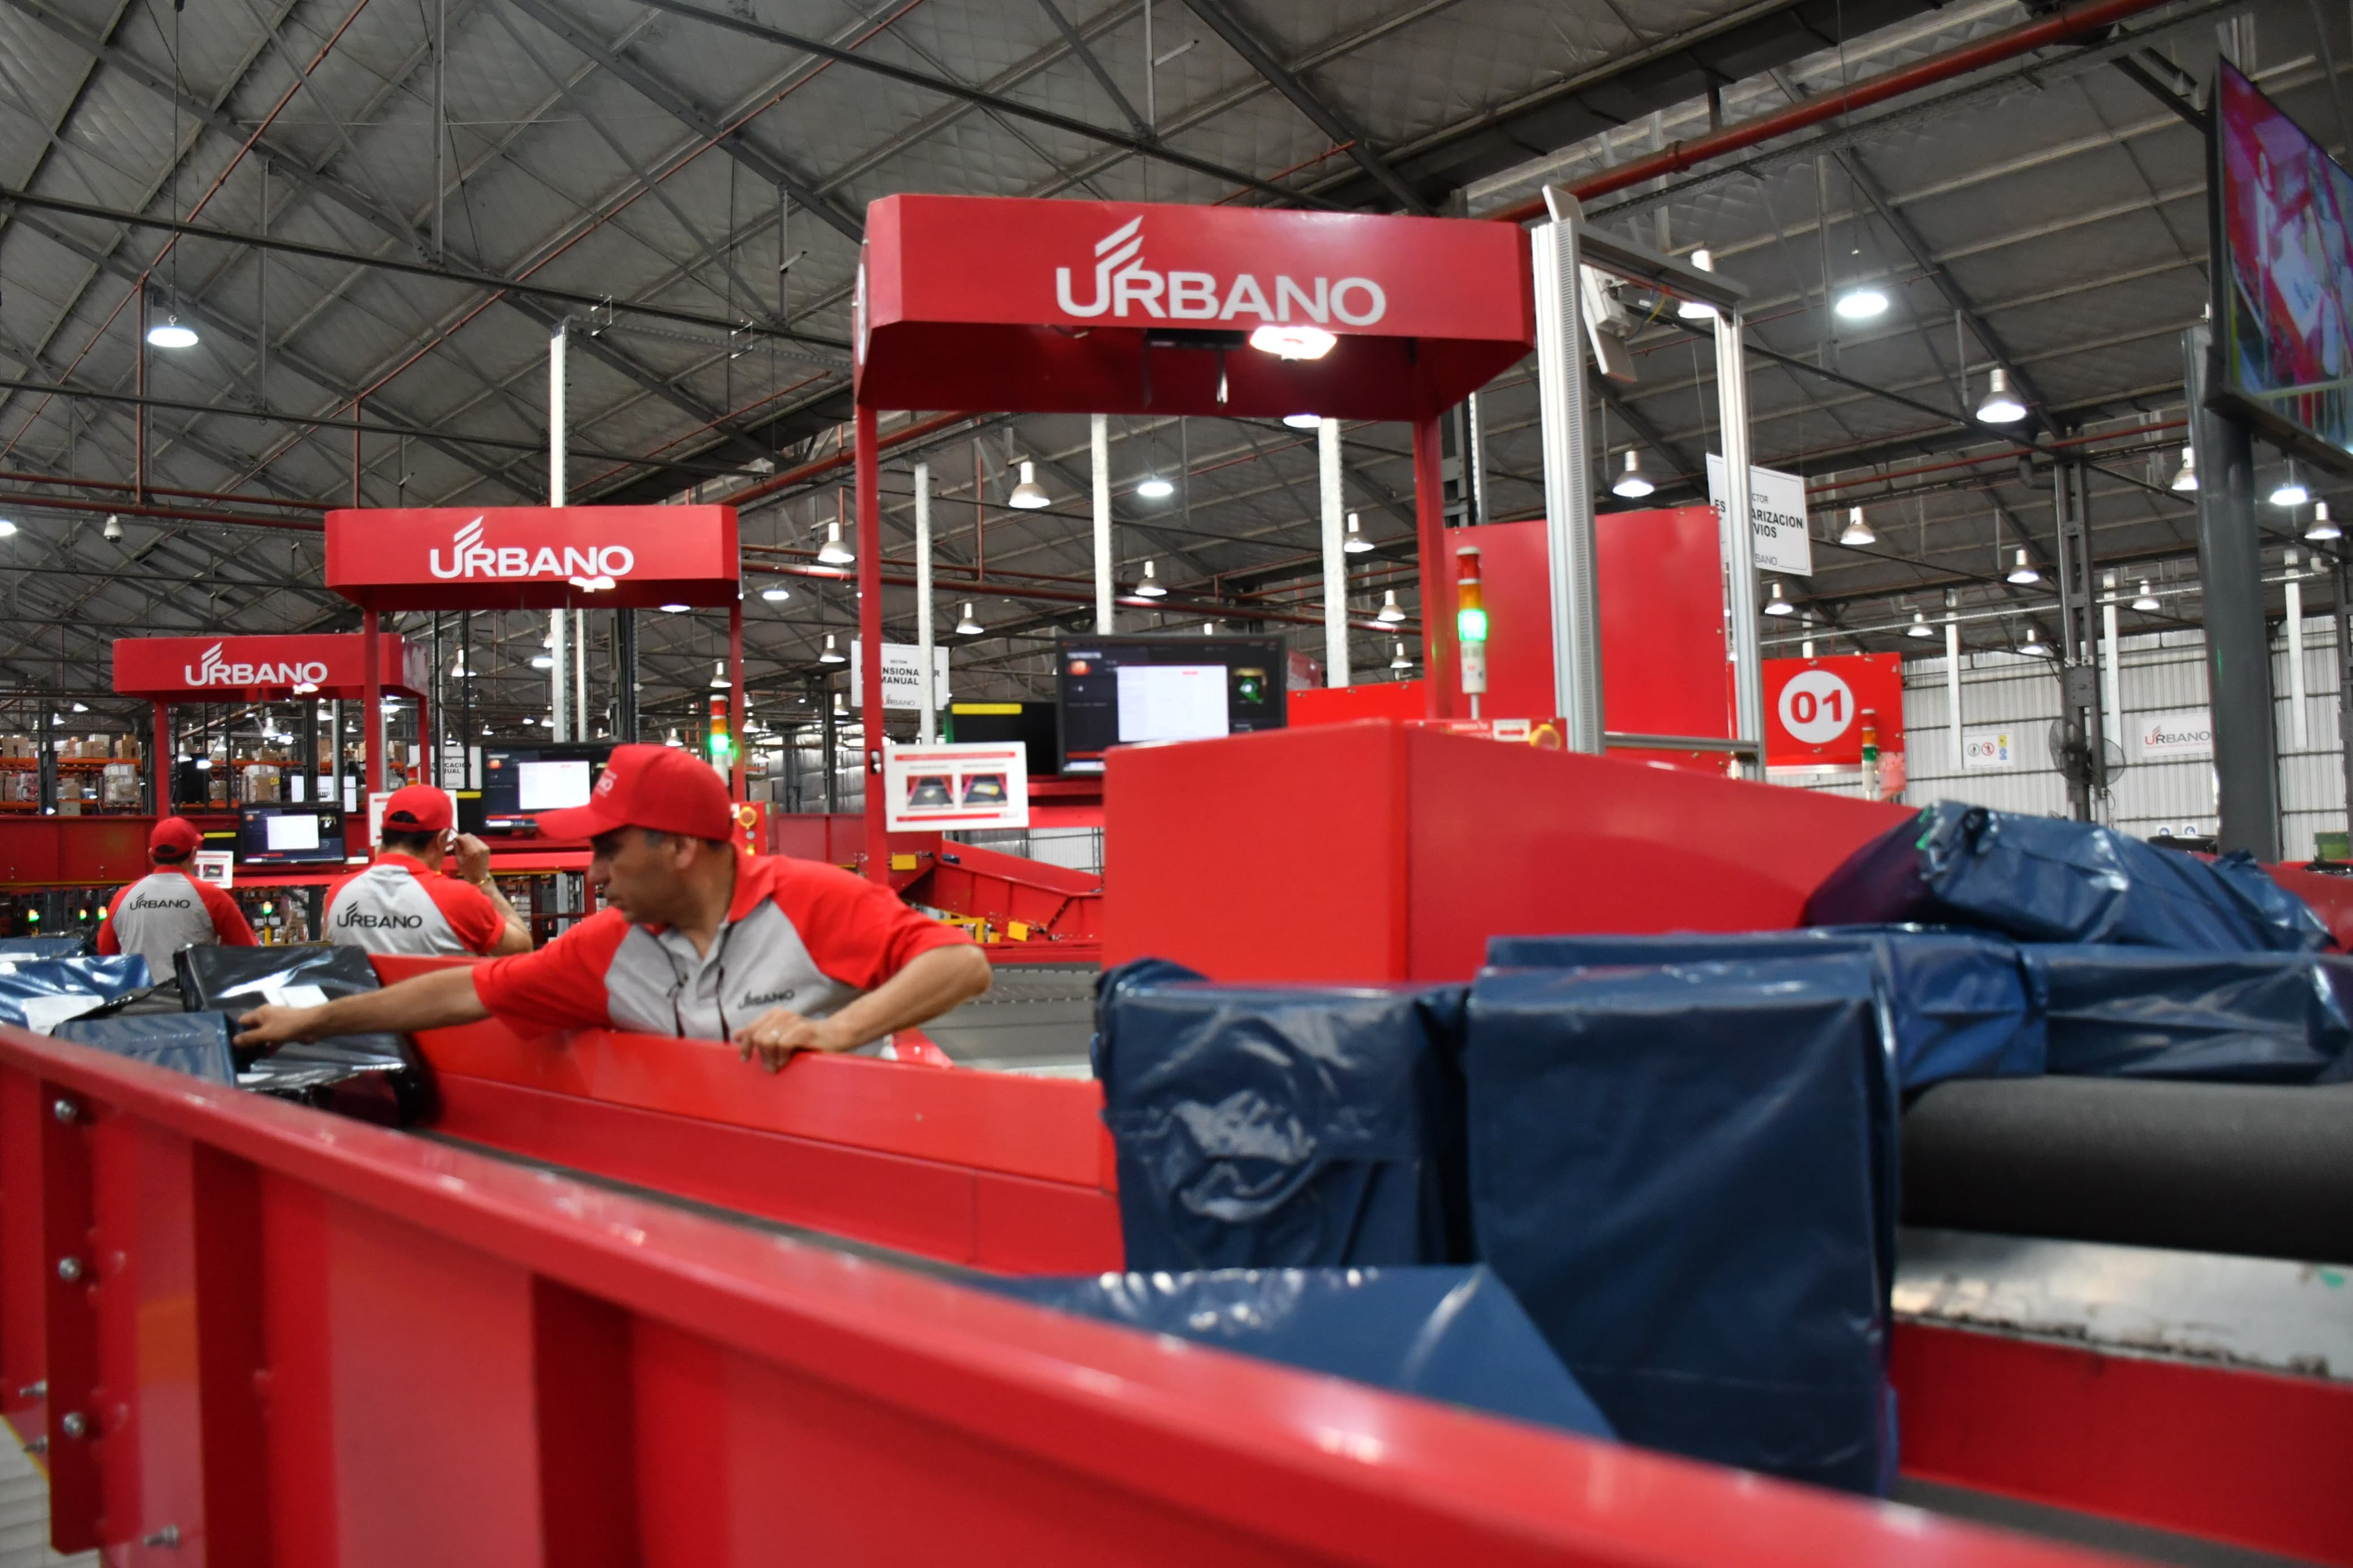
x: 473, y: 858
x: 776, y: 1034
x: 276, y: 1025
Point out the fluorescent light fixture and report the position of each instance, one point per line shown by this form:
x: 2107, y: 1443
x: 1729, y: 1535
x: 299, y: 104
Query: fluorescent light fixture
x: 1152, y: 486
x: 2024, y: 572
x: 967, y: 626
x: 2186, y: 477
x: 1029, y: 495
x: 1856, y: 531
x: 2146, y: 604
x: 1356, y: 544
x: 1632, y: 484
x: 1150, y: 587
x: 1303, y: 421
x: 1391, y: 611
x: 777, y: 594
x: 2322, y: 529
x: 2291, y: 491
x: 1692, y: 310
x: 1778, y: 605
x: 833, y: 551
x: 1860, y: 303
x: 719, y: 675
x: 168, y: 333
x: 1919, y: 627
x: 2001, y: 405
x: 832, y: 655
x: 1292, y: 343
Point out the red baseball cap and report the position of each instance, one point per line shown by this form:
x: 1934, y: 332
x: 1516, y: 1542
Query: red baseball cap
x: 175, y: 838
x: 416, y: 808
x: 663, y: 788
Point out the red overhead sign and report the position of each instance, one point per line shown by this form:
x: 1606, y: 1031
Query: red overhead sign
x: 1130, y: 307
x: 216, y: 669
x: 532, y: 557
x: 1814, y: 707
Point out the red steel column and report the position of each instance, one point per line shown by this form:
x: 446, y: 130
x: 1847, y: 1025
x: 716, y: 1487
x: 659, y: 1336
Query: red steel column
x: 1439, y: 674
x: 163, y: 759
x: 371, y: 717
x: 870, y: 634
x: 735, y: 713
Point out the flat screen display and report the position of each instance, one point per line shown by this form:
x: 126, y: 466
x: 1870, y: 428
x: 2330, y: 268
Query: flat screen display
x: 518, y: 782
x: 2284, y: 278
x: 290, y: 834
x: 1146, y: 691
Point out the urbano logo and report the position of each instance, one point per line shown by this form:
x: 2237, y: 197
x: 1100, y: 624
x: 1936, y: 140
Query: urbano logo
x: 2175, y: 734
x: 214, y: 670
x: 595, y: 566
x: 1121, y: 283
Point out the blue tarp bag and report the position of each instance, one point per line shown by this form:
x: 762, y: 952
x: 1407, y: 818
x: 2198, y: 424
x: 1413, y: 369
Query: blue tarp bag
x: 192, y: 1043
x: 1282, y: 1127
x: 1958, y: 1003
x: 39, y: 946
x: 2037, y: 879
x: 39, y: 994
x: 1448, y: 1334
x: 2245, y: 1018
x: 1686, y: 1175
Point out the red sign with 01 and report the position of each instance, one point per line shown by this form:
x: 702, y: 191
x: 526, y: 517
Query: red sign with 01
x: 1814, y: 709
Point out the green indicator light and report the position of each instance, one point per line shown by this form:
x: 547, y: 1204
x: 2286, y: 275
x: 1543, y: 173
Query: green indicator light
x: 1472, y: 624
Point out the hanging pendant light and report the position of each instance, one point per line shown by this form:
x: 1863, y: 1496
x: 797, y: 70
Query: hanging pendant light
x: 542, y: 661
x: 1391, y: 611
x: 2291, y: 491
x: 671, y: 740
x: 1209, y: 628
x: 719, y: 675
x: 2033, y: 644
x: 1287, y: 341
x: 674, y: 609
x: 2322, y: 529
x: 1694, y: 310
x: 2186, y: 477
x: 1634, y: 484
x: 840, y: 705
x: 1150, y: 587
x: 2148, y: 603
x: 1778, y: 605
x: 168, y: 333
x: 833, y: 551
x: 1857, y: 531
x: 1029, y: 495
x: 2001, y: 405
x: 2024, y: 572
x: 776, y: 593
x: 1303, y: 421
x: 1919, y: 627
x: 967, y: 626
x: 1862, y: 302
x: 1152, y: 486
x: 832, y: 654
x: 1356, y: 544
x: 1400, y: 661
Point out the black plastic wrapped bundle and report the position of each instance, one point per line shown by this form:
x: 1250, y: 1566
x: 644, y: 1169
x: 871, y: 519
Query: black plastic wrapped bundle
x: 373, y: 1076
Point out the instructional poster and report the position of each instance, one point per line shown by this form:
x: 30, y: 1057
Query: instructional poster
x: 958, y: 785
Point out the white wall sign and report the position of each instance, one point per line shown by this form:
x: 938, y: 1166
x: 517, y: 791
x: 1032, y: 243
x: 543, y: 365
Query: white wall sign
x: 1777, y: 515
x: 901, y: 688
x: 2190, y: 733
x: 217, y: 867
x: 959, y: 785
x: 1989, y: 749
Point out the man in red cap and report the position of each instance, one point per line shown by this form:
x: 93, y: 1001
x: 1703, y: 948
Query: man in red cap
x: 698, y: 940
x: 167, y: 908
x: 407, y: 903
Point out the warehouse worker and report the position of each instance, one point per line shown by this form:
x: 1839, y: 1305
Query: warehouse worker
x: 698, y: 940
x: 167, y: 908
x: 406, y: 903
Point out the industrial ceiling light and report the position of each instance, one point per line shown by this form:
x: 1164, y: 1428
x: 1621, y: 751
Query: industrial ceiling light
x: 114, y: 529
x: 719, y: 675
x: 168, y: 333
x: 1919, y: 627
x: 1150, y: 587
x: 1303, y: 421
x: 1391, y: 611
x: 2001, y: 405
x: 84, y: 708
x: 776, y: 593
x: 967, y: 626
x: 2291, y: 491
x: 834, y: 552
x: 673, y: 609
x: 542, y: 661
x: 2185, y: 477
x: 2146, y: 604
x: 7, y: 529
x: 671, y: 740
x: 1694, y: 310
x: 1028, y: 496
x: 1856, y: 531
x: 1778, y: 605
x: 2033, y: 644
x: 1860, y: 303
x: 1632, y: 484
x: 2024, y: 572
x: 2322, y: 529
x: 1209, y: 628
x: 1400, y: 661
x: 1287, y: 341
x: 1152, y: 486
x: 1356, y: 544
x: 832, y: 655
x: 458, y: 671
x: 839, y: 704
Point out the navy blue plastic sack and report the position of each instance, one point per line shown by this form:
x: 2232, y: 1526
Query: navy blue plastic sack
x: 1687, y: 1175
x: 39, y: 994
x: 1958, y: 1003
x: 39, y: 946
x: 2249, y: 1017
x: 1448, y: 1334
x: 1281, y: 1127
x: 192, y: 1043
x: 2038, y: 879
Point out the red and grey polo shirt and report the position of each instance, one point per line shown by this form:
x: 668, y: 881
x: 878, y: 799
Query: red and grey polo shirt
x: 398, y: 906
x: 166, y: 911
x: 798, y: 935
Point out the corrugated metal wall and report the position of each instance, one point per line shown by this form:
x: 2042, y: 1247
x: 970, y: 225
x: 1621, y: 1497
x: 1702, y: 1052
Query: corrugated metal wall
x: 2164, y: 673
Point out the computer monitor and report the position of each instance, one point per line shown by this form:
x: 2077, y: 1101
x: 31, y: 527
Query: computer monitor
x: 1130, y: 690
x: 521, y: 782
x: 277, y: 834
